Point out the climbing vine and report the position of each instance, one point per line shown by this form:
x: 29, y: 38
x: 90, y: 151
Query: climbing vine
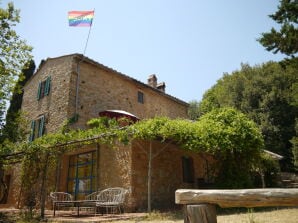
x: 226, y: 133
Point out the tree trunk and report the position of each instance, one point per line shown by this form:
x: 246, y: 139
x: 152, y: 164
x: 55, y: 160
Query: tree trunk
x: 3, y: 187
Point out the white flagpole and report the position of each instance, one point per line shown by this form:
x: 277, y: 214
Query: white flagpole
x: 78, y: 70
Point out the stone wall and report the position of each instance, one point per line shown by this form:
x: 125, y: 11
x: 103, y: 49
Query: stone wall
x: 55, y: 105
x: 99, y: 88
x: 114, y: 166
x: 166, y: 173
x: 102, y: 89
x: 127, y: 166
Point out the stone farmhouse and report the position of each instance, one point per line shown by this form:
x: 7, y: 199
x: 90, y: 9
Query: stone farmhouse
x: 76, y: 87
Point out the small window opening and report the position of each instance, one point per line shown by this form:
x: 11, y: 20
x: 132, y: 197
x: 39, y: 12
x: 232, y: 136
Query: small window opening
x: 187, y: 169
x: 140, y: 97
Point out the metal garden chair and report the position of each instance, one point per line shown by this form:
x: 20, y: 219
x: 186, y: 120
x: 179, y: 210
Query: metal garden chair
x: 58, y: 197
x: 90, y: 201
x: 112, y: 199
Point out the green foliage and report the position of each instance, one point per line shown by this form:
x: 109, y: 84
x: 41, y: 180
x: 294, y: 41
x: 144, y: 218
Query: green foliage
x: 268, y: 95
x: 235, y: 141
x: 103, y: 123
x: 227, y: 129
x: 14, y: 54
x: 294, y: 142
x: 178, y: 131
x: 226, y: 133
x: 13, y: 129
x: 285, y: 40
x: 271, y: 170
x: 193, y: 110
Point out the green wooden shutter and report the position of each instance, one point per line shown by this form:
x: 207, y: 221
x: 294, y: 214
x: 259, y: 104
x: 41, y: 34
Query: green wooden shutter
x: 41, y: 126
x: 48, y: 86
x: 39, y: 91
x: 31, y: 137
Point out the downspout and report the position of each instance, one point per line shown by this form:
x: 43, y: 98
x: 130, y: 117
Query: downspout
x: 77, y: 88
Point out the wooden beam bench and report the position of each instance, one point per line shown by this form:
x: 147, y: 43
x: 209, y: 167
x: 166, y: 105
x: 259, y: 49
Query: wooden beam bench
x: 200, y: 205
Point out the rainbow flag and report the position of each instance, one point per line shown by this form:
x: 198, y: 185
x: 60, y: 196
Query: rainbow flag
x: 80, y: 18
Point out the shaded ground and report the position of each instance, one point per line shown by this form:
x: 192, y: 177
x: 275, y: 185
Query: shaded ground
x: 9, y: 215
x: 285, y: 215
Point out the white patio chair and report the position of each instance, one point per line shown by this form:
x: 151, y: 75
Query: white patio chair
x: 92, y: 196
x: 61, y: 196
x: 90, y: 203
x: 111, y: 199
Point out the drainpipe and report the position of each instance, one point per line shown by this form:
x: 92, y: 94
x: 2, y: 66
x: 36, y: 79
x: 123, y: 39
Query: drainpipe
x: 77, y: 85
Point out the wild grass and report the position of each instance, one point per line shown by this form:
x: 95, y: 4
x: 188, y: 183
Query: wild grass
x: 288, y: 215
x: 263, y: 215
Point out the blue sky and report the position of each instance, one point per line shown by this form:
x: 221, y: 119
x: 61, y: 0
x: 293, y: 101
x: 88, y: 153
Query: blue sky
x: 188, y: 44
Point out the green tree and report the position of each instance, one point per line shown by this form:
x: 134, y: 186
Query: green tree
x: 236, y: 142
x: 294, y: 142
x: 12, y: 130
x: 284, y: 40
x: 268, y: 95
x: 14, y: 53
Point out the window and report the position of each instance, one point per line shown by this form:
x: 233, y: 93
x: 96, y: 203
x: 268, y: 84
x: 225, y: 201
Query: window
x: 140, y: 97
x: 37, y: 128
x: 187, y: 169
x: 43, y: 88
x: 82, y: 178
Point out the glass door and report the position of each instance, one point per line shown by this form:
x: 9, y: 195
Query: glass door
x: 82, y: 174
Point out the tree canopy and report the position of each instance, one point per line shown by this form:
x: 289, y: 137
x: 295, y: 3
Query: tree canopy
x: 236, y: 142
x: 268, y: 95
x: 14, y: 54
x: 284, y: 40
x: 14, y: 128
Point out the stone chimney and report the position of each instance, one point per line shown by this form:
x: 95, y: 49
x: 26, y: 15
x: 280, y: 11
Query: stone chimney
x: 152, y: 81
x: 161, y: 86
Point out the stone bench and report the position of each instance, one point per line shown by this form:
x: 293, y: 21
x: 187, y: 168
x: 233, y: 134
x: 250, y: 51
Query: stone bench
x: 200, y: 205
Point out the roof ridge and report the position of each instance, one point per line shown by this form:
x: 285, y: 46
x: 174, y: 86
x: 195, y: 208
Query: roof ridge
x: 87, y: 59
